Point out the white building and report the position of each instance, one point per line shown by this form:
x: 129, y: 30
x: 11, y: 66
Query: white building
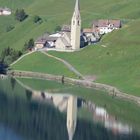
x: 70, y: 39
x: 106, y: 26
x: 5, y: 11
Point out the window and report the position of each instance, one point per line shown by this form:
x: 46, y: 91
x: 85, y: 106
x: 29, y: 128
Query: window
x: 78, y: 22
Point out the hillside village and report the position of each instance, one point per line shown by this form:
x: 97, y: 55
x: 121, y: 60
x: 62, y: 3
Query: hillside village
x: 111, y: 53
x: 73, y: 37
x: 80, y: 81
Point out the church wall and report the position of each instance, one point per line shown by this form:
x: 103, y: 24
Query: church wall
x: 59, y: 44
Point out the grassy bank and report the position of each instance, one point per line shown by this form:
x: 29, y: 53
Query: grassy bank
x: 38, y: 62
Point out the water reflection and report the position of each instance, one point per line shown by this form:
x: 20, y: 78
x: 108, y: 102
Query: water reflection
x: 70, y: 103
x: 47, y: 116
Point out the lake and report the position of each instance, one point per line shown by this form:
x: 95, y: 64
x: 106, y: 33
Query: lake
x: 44, y: 110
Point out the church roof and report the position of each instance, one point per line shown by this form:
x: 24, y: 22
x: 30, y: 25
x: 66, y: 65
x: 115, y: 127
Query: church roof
x: 44, y: 38
x: 66, y: 28
x: 65, y: 42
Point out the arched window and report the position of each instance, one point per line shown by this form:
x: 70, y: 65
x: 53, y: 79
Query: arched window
x: 74, y: 22
x: 78, y: 22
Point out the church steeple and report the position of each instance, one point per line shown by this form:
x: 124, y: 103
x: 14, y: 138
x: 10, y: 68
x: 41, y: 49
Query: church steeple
x: 77, y: 9
x: 76, y: 27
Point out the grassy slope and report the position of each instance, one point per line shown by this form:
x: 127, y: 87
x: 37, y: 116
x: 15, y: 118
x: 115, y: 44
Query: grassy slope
x: 117, y: 64
x: 39, y: 62
x: 57, y: 13
x: 54, y: 12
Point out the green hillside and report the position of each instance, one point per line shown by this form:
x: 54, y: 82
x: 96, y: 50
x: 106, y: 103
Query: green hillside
x: 115, y: 60
x: 54, y: 12
x: 38, y: 62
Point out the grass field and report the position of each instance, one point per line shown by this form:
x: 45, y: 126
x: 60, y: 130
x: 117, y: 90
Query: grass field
x: 118, y: 64
x: 38, y: 62
x: 56, y: 13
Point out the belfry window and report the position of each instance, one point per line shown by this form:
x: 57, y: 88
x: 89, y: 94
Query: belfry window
x: 73, y: 22
x: 78, y: 22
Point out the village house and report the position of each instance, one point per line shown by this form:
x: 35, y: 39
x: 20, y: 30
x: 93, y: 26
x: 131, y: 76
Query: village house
x: 72, y: 37
x: 5, y: 11
x: 45, y: 41
x: 90, y: 35
x: 68, y: 38
x: 104, y: 26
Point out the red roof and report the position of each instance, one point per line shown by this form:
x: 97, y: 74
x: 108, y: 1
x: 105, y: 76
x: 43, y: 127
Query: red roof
x: 106, y: 22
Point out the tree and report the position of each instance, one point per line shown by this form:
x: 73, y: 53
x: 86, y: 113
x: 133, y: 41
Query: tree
x: 9, y: 28
x: 37, y: 19
x: 29, y: 45
x: 9, y: 55
x: 20, y: 15
x: 57, y: 28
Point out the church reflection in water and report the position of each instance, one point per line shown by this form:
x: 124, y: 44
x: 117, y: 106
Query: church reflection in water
x: 70, y: 104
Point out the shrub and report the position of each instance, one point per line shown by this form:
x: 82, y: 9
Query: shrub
x: 20, y: 15
x: 9, y: 28
x: 37, y: 19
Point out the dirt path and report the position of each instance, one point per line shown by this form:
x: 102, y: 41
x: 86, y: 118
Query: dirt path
x: 68, y: 65
x: 21, y: 57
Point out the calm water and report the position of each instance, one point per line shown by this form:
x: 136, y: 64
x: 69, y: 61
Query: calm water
x: 26, y: 114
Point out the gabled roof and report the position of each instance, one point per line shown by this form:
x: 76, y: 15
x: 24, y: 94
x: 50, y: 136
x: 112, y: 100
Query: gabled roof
x: 66, y: 28
x: 65, y: 42
x: 87, y: 30
x: 106, y: 22
x: 43, y: 39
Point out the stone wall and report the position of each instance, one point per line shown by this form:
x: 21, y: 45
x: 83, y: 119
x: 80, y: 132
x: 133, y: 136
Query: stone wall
x: 114, y: 92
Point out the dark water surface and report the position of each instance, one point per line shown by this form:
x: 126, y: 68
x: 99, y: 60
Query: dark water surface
x: 26, y: 114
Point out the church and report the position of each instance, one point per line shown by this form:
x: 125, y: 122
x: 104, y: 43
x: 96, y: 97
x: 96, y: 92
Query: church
x: 71, y: 40
x: 66, y: 40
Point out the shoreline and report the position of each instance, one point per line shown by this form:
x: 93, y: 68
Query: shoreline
x: 112, y: 91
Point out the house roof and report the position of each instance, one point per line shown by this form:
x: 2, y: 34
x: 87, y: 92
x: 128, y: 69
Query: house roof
x: 106, y: 22
x: 43, y: 39
x: 66, y: 28
x: 87, y: 30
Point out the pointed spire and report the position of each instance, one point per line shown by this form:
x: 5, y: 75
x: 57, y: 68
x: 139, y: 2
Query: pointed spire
x: 77, y: 9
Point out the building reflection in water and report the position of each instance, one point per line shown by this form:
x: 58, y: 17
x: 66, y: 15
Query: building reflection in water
x: 71, y: 104
x: 71, y: 116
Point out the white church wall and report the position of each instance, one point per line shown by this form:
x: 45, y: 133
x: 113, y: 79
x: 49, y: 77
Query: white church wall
x: 59, y: 44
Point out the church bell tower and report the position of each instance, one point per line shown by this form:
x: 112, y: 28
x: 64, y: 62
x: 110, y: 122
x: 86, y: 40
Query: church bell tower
x: 76, y: 27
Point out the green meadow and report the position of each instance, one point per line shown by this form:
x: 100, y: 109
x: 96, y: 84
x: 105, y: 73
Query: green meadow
x: 115, y: 60
x: 55, y: 13
x: 38, y: 62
